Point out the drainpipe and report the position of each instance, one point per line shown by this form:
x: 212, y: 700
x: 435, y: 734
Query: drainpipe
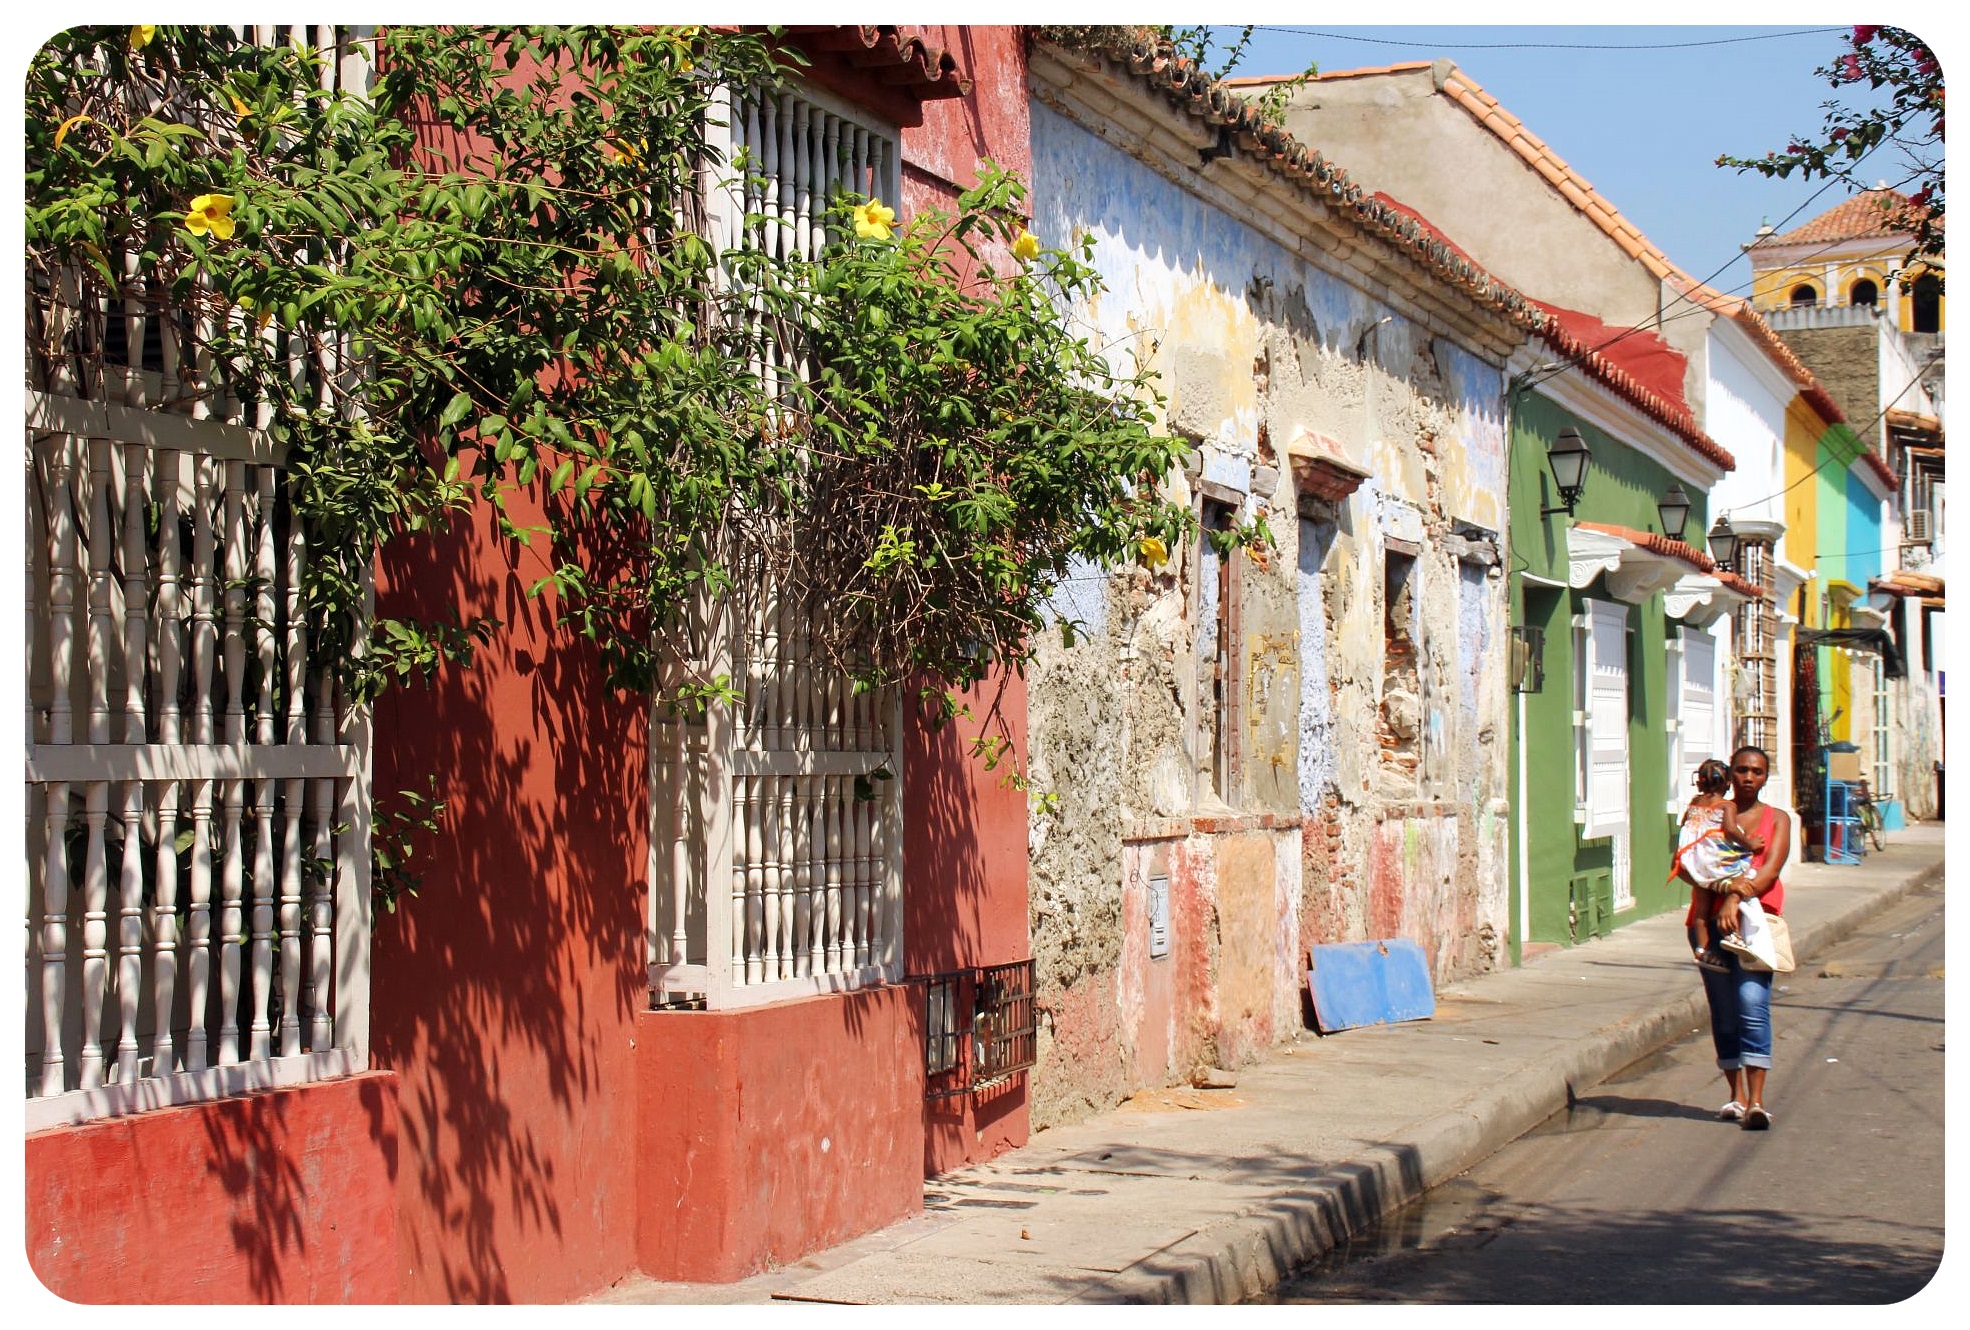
x: 1525, y: 849
x: 1515, y: 388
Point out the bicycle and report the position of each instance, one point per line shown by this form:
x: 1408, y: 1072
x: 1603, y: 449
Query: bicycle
x: 1868, y: 815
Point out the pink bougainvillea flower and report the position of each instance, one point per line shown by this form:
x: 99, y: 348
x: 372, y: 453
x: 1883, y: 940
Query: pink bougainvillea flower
x: 1864, y: 33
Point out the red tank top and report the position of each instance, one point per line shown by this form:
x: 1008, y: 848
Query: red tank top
x: 1773, y: 899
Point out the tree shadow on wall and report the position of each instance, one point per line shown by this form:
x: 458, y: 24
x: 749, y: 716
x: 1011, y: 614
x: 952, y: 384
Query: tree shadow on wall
x: 256, y: 1155
x: 965, y: 905
x: 506, y: 991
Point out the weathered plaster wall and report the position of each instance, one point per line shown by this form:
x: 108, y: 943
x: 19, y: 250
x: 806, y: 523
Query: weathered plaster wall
x: 1394, y: 133
x: 1260, y: 354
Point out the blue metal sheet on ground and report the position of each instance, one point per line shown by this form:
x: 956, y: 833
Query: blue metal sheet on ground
x: 1370, y: 983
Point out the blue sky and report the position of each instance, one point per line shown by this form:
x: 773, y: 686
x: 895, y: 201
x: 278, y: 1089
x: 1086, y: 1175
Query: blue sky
x: 1644, y: 124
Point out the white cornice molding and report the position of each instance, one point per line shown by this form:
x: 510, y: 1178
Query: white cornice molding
x: 1591, y: 553
x: 1786, y: 579
x: 1643, y: 573
x: 1633, y: 573
x: 1887, y: 251
x: 1872, y: 479
x: 1699, y: 599
x: 1601, y: 407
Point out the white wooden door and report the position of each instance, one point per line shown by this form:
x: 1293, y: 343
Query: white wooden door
x: 1699, y: 702
x: 1607, y: 719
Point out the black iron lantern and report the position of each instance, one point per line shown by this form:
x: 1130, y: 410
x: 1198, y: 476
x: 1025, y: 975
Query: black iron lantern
x: 1723, y: 543
x: 1568, y: 457
x: 1674, y: 510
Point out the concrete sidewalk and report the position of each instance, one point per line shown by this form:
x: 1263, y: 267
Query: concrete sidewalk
x: 1224, y: 1192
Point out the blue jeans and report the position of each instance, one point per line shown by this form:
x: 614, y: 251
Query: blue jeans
x: 1740, y: 1014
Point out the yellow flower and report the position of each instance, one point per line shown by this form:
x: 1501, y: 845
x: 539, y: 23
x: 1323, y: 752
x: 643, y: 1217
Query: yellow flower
x: 1153, y: 551
x: 140, y: 35
x: 61, y: 131
x: 240, y: 108
x: 1027, y: 247
x: 261, y: 320
x: 211, y: 212
x: 873, y: 221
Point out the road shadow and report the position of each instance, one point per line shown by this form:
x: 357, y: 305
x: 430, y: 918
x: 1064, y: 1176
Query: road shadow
x: 1563, y: 1254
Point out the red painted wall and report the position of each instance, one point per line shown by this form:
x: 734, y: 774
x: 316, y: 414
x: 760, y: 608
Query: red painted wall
x: 505, y: 994
x: 964, y: 897
x: 777, y: 1131
x: 286, y: 1196
x: 993, y: 120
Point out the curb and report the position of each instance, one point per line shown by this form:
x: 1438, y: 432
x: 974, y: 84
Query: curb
x: 1256, y: 1252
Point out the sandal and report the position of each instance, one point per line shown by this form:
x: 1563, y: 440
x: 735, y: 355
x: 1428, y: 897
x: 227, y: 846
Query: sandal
x: 1757, y: 1118
x: 1713, y: 961
x: 1731, y: 1112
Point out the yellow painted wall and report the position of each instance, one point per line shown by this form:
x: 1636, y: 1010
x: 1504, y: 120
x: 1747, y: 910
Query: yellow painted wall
x: 1840, y: 666
x: 1771, y: 288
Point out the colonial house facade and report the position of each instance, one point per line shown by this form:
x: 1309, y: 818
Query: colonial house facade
x: 551, y: 1068
x: 1241, y: 753
x: 1841, y: 293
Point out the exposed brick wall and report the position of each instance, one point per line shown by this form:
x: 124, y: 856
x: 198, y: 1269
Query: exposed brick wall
x: 1847, y: 361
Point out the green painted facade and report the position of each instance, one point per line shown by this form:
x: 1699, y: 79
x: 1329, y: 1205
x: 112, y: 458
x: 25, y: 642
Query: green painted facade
x: 1571, y: 878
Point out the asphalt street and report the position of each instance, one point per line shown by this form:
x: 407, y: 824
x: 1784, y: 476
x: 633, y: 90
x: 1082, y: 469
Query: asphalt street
x: 1638, y: 1194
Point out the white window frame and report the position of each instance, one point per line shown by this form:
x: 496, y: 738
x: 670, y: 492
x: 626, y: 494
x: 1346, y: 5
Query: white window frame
x: 1607, y: 744
x: 1884, y: 765
x: 1698, y: 701
x: 776, y: 827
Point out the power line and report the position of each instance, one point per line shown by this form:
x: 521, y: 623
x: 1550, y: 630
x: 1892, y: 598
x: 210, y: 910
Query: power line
x: 1857, y: 432
x: 1552, y: 46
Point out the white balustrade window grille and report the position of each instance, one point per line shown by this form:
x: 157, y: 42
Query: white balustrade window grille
x: 197, y: 839
x: 776, y: 823
x: 786, y: 158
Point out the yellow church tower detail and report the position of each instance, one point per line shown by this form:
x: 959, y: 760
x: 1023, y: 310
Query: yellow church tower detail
x: 1852, y: 255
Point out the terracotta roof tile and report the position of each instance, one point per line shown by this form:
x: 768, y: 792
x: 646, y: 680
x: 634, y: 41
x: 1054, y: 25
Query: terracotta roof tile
x: 1266, y: 80
x: 1914, y: 420
x: 1647, y: 353
x: 1881, y: 469
x: 925, y: 72
x: 1905, y: 582
x: 1744, y: 586
x: 1195, y: 93
x: 1657, y: 543
x: 1870, y: 213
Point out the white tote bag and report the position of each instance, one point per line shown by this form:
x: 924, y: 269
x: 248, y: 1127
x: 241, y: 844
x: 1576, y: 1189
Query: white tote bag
x: 1753, y: 944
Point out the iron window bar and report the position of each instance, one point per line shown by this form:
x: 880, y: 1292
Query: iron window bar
x: 980, y: 1028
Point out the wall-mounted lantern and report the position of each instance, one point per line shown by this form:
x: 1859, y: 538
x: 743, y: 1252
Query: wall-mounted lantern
x: 1674, y: 510
x: 1723, y: 544
x: 1528, y: 658
x: 1568, y: 457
